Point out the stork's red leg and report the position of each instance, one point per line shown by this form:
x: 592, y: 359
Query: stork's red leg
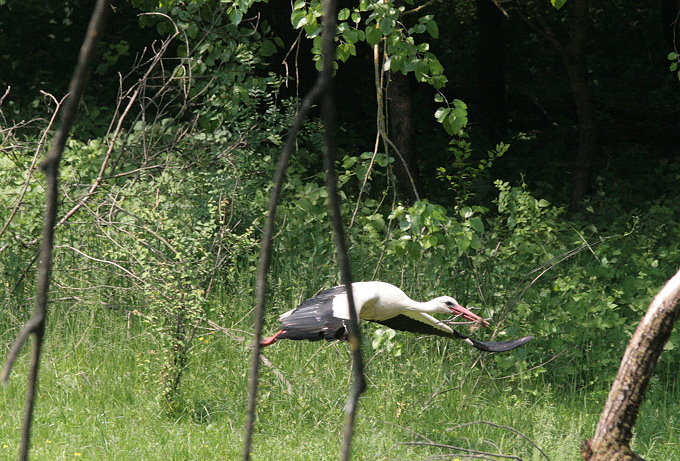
x: 271, y: 340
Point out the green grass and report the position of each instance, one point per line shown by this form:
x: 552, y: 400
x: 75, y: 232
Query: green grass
x: 98, y: 400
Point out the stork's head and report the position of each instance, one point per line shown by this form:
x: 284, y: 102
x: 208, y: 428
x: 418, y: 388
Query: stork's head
x: 448, y: 305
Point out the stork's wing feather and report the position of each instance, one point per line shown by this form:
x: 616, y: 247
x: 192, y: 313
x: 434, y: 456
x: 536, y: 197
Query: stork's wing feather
x: 314, y: 320
x: 421, y: 324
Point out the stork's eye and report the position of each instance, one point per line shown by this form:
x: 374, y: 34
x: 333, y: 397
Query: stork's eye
x: 448, y: 303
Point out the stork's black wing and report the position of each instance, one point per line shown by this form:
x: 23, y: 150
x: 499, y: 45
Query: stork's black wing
x: 314, y: 320
x: 405, y: 323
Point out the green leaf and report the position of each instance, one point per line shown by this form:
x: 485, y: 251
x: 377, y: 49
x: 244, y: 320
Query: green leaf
x: 396, y: 63
x: 672, y: 56
x: 442, y: 113
x: 351, y: 35
x: 343, y: 14
x: 477, y: 224
x: 235, y: 17
x: 386, y: 25
x: 432, y: 29
x: 476, y: 242
x: 459, y: 103
x: 298, y: 18
x: 463, y: 241
x: 435, y: 66
x: 558, y: 3
x: 373, y: 35
x: 313, y: 29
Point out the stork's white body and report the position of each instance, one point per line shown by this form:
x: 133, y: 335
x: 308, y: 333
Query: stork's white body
x: 376, y: 301
x: 326, y: 315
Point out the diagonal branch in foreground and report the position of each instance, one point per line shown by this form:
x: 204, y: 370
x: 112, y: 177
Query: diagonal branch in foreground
x: 330, y: 150
x: 615, y: 429
x: 36, y: 325
x: 266, y: 256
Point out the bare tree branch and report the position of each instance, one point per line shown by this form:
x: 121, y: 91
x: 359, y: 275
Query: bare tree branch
x: 278, y: 373
x: 469, y: 452
x: 36, y: 325
x: 138, y: 88
x: 500, y: 426
x: 31, y: 169
x: 321, y: 86
x: 330, y: 151
x: 615, y: 430
x: 103, y: 261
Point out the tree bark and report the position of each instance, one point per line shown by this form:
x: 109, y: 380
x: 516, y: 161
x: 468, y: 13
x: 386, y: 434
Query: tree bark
x: 490, y: 67
x: 574, y: 61
x: 401, y: 132
x: 615, y: 429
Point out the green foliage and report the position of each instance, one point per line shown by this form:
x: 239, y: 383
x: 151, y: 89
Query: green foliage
x: 384, y: 342
x: 376, y: 22
x: 454, y: 119
x: 464, y: 175
x: 675, y: 62
x: 425, y: 226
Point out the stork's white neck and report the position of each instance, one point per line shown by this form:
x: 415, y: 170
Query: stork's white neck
x: 429, y: 307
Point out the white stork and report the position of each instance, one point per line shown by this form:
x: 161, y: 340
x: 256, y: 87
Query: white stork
x: 326, y: 316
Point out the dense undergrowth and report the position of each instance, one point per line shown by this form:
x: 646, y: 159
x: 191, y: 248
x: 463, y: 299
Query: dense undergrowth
x: 163, y: 239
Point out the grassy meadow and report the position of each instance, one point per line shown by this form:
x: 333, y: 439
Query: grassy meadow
x: 98, y: 399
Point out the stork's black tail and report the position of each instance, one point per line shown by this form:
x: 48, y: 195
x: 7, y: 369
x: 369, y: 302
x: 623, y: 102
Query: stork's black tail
x: 500, y: 346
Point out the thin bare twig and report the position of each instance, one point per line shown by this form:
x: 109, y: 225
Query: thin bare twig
x: 470, y: 452
x: 36, y: 325
x: 500, y: 426
x: 7, y: 91
x: 278, y: 373
x: 119, y: 127
x: 420, y: 7
x: 31, y: 169
x: 103, y: 261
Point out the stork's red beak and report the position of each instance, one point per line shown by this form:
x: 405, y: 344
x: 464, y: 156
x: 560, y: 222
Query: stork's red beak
x: 467, y: 314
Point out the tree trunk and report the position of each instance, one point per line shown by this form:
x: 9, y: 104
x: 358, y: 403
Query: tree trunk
x: 574, y: 60
x: 401, y: 133
x: 615, y: 429
x: 490, y: 67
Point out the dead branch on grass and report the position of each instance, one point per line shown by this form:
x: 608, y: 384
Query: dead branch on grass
x: 278, y: 373
x: 468, y: 453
